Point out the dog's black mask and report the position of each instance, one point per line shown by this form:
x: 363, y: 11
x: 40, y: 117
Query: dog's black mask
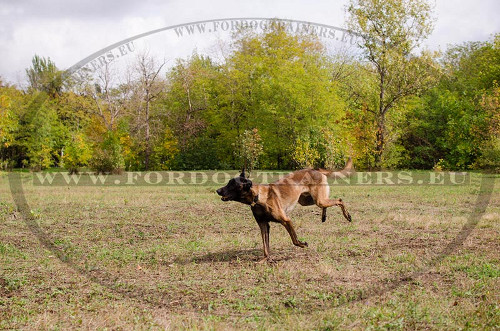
x: 236, y: 189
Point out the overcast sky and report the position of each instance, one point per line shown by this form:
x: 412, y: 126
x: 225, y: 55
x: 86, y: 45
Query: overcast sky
x: 68, y: 31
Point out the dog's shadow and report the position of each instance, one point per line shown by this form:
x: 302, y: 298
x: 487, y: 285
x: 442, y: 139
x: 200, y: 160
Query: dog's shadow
x: 235, y: 255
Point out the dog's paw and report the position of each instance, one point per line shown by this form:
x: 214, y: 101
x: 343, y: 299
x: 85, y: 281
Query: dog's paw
x: 266, y: 260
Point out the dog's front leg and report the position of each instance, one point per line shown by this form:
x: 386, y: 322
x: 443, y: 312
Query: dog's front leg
x: 287, y: 223
x: 264, y: 231
x: 280, y: 216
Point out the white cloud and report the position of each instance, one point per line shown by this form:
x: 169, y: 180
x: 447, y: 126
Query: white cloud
x: 460, y: 21
x: 68, y: 31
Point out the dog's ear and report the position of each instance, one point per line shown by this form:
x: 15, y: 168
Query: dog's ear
x: 242, y: 175
x: 247, y: 185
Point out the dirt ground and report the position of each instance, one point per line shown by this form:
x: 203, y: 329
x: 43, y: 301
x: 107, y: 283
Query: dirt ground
x: 177, y: 257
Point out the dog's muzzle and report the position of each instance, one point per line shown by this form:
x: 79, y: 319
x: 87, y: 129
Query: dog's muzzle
x: 224, y: 197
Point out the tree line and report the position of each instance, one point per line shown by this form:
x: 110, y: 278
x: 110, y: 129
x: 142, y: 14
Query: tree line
x: 277, y: 101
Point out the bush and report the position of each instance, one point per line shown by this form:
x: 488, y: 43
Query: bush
x: 249, y: 149
x: 334, y: 148
x: 490, y: 156
x: 107, y: 156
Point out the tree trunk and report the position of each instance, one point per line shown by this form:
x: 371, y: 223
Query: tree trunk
x: 380, y: 136
x: 148, y: 135
x: 380, y: 140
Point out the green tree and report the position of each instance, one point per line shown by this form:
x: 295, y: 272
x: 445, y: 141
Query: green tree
x: 77, y: 153
x: 284, y: 87
x: 472, y: 67
x: 10, y: 98
x: 165, y: 151
x: 189, y: 105
x: 106, y: 101
x: 43, y: 75
x: 304, y: 154
x: 455, y: 124
x: 147, y: 87
x: 490, y: 145
x: 40, y: 134
x: 390, y: 33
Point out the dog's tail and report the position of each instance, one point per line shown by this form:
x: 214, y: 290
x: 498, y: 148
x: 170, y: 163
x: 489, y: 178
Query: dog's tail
x: 346, y: 172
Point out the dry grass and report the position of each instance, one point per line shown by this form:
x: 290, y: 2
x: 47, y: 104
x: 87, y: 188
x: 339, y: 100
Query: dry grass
x: 178, y: 257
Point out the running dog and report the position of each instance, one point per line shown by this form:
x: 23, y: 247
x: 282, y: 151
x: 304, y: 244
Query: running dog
x: 273, y: 202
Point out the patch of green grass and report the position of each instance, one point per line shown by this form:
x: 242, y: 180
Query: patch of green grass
x: 9, y: 250
x: 480, y: 271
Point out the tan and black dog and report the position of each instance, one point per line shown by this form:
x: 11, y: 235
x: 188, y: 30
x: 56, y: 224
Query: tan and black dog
x: 273, y: 202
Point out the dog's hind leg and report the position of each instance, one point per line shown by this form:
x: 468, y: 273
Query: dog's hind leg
x: 325, y: 203
x: 320, y: 194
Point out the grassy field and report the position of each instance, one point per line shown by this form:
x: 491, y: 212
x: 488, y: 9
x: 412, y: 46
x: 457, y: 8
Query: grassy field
x: 177, y: 257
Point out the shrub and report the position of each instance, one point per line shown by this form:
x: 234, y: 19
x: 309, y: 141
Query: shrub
x: 249, y: 149
x: 107, y: 156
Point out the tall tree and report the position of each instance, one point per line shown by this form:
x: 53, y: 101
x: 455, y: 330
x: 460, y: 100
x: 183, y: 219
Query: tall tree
x: 189, y: 83
x: 9, y: 97
x: 11, y: 100
x: 284, y: 87
x: 43, y: 75
x: 108, y: 96
x: 147, y: 88
x: 390, y: 32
